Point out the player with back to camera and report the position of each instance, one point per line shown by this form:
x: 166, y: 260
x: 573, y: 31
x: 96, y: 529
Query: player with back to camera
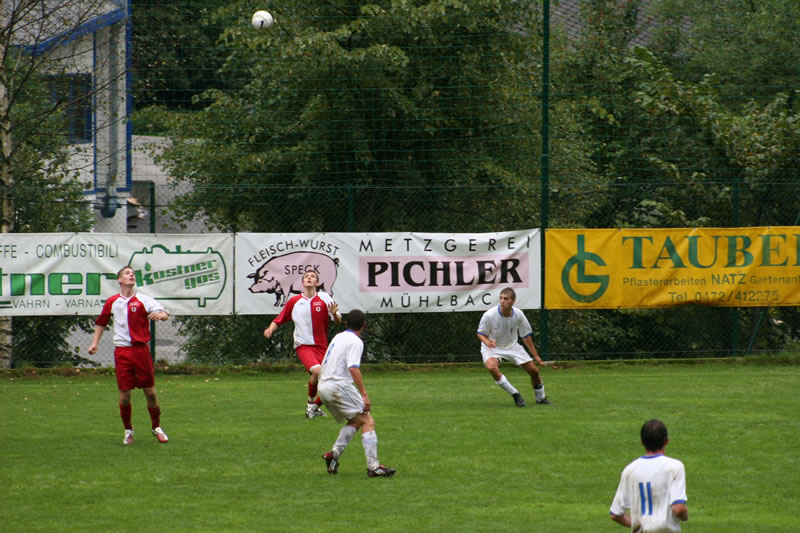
x: 133, y: 364
x: 311, y: 312
x: 498, y: 331
x: 341, y: 386
x: 652, y: 487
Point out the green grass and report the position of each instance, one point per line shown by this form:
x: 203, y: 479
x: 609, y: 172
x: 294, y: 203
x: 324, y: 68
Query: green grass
x: 242, y: 457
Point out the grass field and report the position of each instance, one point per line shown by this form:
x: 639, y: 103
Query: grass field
x: 242, y: 457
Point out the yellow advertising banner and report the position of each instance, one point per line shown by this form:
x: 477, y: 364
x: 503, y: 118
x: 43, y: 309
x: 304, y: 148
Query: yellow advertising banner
x: 640, y: 268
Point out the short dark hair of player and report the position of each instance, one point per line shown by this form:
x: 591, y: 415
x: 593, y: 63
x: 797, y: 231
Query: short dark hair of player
x: 356, y: 319
x: 654, y: 435
x: 123, y: 269
x: 510, y: 292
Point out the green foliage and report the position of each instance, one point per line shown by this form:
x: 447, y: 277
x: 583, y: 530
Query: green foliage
x: 394, y: 100
x: 761, y: 143
x: 752, y: 47
x: 424, y: 116
x: 233, y: 340
x: 174, y: 53
x: 42, y: 341
x: 43, y: 187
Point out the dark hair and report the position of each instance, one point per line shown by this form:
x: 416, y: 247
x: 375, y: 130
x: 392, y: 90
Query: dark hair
x: 654, y: 435
x: 356, y: 319
x: 510, y: 292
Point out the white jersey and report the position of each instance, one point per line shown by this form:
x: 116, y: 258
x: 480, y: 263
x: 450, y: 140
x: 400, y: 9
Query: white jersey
x: 649, y: 486
x: 344, y: 353
x: 504, y: 331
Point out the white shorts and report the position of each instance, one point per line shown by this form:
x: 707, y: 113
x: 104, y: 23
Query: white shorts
x: 342, y: 399
x: 515, y: 354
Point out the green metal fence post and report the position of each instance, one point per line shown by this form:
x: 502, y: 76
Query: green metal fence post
x: 152, y: 188
x: 545, y: 164
x: 734, y: 315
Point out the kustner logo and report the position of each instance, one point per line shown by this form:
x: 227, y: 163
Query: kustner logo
x: 578, y: 261
x: 180, y: 274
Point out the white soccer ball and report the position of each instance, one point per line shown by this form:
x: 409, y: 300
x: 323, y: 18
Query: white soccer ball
x: 261, y: 20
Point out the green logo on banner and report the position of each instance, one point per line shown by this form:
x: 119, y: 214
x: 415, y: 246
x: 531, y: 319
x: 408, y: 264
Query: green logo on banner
x: 579, y: 261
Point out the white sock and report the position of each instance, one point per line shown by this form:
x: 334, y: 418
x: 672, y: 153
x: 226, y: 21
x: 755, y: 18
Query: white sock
x: 539, y: 391
x: 506, y: 385
x: 370, y: 442
x: 344, y: 438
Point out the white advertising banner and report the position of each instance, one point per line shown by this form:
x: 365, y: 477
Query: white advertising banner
x: 74, y: 273
x: 390, y: 272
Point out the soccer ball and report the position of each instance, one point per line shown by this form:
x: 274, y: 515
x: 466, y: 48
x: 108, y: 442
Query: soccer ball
x: 261, y: 20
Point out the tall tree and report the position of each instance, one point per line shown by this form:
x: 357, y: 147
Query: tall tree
x: 412, y: 111
x: 42, y: 101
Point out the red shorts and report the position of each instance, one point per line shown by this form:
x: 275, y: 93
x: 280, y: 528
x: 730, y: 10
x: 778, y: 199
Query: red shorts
x: 310, y: 355
x: 133, y: 367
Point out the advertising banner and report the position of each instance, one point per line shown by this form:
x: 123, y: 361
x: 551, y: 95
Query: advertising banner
x: 389, y: 272
x: 641, y: 268
x: 74, y: 273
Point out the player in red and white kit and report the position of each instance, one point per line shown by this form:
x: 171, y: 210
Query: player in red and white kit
x: 133, y: 364
x: 311, y: 312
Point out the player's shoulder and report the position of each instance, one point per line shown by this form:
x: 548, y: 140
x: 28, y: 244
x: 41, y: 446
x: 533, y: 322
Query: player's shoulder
x: 325, y: 297
x: 672, y: 461
x: 292, y: 300
x: 142, y: 297
x: 491, y: 312
x: 111, y: 299
x: 517, y: 311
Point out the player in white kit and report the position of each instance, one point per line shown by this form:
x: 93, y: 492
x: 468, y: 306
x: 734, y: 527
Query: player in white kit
x: 498, y: 331
x: 341, y: 388
x: 652, y: 488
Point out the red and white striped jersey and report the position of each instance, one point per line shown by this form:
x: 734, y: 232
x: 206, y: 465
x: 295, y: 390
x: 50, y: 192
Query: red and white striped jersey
x: 130, y: 317
x: 311, y: 318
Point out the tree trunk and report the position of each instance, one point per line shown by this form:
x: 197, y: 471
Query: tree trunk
x: 6, y: 207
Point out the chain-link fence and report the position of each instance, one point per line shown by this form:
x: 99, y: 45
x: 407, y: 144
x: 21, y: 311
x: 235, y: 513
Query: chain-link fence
x: 471, y: 116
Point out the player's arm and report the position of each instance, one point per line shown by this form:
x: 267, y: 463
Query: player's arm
x: 159, y: 315
x: 486, y: 340
x: 681, y: 511
x: 355, y: 373
x: 623, y: 519
x: 334, y: 311
x: 531, y: 348
x: 284, y: 316
x: 98, y: 332
x: 270, y: 329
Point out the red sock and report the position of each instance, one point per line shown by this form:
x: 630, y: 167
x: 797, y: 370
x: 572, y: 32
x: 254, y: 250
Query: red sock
x: 125, y: 413
x: 312, y: 390
x: 155, y: 416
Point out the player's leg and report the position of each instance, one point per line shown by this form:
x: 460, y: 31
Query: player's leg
x: 492, y: 364
x: 126, y: 381
x: 345, y: 403
x: 125, y: 411
x: 155, y: 413
x: 536, y: 381
x: 311, y: 357
x: 369, y: 440
x: 147, y: 382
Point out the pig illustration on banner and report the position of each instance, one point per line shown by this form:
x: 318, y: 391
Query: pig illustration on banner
x: 283, y: 275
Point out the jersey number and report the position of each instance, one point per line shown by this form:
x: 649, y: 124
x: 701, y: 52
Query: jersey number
x: 648, y: 508
x: 327, y: 353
